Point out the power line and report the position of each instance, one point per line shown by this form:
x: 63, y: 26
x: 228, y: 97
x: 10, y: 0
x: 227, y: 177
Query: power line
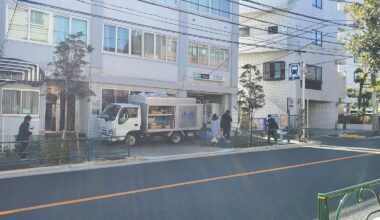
x: 290, y: 12
x: 118, y: 6
x: 9, y: 28
x: 225, y: 21
x: 164, y: 29
x: 250, y: 18
x: 263, y: 13
x: 166, y: 22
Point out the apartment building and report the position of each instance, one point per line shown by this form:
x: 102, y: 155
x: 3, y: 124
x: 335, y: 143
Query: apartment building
x: 271, y: 38
x: 177, y: 47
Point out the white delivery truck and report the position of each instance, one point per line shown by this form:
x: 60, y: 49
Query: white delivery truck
x: 174, y: 118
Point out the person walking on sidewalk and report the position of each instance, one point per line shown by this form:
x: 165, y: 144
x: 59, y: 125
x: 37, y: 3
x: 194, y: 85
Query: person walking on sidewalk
x: 225, y: 124
x: 23, y: 137
x: 272, y: 128
x: 215, y: 129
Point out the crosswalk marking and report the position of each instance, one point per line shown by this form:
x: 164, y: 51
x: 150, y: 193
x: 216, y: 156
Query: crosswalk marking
x: 352, y: 149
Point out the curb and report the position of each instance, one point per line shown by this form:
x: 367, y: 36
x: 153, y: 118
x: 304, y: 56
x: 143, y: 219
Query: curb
x: 135, y: 161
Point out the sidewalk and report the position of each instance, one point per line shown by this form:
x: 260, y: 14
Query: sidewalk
x: 315, y: 133
x: 143, y: 154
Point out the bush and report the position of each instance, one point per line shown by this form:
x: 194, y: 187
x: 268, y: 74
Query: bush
x: 355, y: 119
x: 49, y: 152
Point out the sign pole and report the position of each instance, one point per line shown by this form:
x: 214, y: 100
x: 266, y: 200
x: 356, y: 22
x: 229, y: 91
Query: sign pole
x: 303, y: 100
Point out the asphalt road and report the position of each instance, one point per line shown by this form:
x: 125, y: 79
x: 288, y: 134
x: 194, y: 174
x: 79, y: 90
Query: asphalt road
x: 279, y: 184
x: 350, y: 142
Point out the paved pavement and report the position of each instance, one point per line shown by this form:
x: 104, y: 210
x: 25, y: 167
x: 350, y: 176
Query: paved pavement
x: 280, y: 184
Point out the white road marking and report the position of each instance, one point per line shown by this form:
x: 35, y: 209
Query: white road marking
x: 351, y: 149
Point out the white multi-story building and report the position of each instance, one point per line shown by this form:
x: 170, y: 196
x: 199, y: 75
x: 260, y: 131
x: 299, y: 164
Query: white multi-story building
x: 175, y: 47
x: 272, y: 38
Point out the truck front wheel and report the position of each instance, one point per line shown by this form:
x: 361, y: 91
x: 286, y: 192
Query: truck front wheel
x: 130, y: 139
x: 175, y: 138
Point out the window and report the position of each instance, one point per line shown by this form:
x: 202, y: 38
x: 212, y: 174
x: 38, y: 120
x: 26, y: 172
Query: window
x: 204, y: 5
x: 114, y: 96
x: 274, y: 71
x: 132, y: 112
x: 61, y: 29
x: 172, y: 49
x: 20, y: 26
x: 203, y: 54
x: 109, y: 40
x: 314, y: 73
x: 77, y: 26
x: 224, y: 58
x: 160, y: 47
x: 39, y: 26
x: 317, y: 36
x: 18, y: 102
x: 219, y: 57
x: 273, y: 30
x: 136, y: 41
x: 29, y: 103
x: 199, y: 53
x: 123, y: 40
x: 34, y: 25
x: 244, y: 32
x: 317, y: 3
x: 214, y: 56
x: 313, y: 77
x: 214, y: 7
x: 148, y: 45
x: 193, y: 53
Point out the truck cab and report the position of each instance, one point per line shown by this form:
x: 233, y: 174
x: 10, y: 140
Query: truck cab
x: 120, y: 121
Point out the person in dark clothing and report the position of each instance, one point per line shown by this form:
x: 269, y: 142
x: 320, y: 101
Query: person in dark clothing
x: 23, y: 137
x: 272, y: 128
x: 203, y: 134
x: 225, y: 124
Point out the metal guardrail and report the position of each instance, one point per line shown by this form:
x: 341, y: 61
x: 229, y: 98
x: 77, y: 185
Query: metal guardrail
x: 345, y: 195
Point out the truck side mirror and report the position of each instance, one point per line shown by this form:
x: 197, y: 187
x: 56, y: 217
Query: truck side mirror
x: 122, y: 120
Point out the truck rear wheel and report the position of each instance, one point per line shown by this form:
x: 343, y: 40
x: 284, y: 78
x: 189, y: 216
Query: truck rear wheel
x: 130, y: 139
x: 175, y: 138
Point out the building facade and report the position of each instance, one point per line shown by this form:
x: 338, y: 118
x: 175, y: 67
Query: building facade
x: 177, y: 47
x: 271, y: 38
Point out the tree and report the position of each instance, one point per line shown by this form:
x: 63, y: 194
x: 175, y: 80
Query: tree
x: 251, y: 96
x: 361, y: 79
x: 365, y: 38
x: 68, y: 62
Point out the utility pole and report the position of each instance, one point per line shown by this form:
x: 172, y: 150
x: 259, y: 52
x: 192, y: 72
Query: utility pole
x: 375, y: 117
x: 303, y: 118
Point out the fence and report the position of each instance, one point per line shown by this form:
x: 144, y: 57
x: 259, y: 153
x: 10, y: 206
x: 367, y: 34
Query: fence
x: 259, y: 137
x: 58, y: 151
x: 290, y: 129
x: 353, y: 195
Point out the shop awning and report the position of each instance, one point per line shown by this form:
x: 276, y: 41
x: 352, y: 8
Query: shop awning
x: 20, y: 71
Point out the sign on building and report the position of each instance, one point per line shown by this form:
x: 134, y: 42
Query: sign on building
x: 210, y: 77
x: 294, y: 71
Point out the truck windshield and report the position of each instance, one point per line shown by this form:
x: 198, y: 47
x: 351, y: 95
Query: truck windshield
x: 110, y: 112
